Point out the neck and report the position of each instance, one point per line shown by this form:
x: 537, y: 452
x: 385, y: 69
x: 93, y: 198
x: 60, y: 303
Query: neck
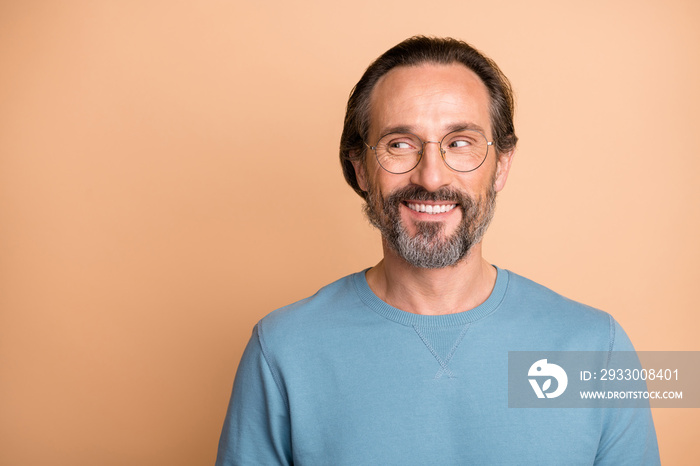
x: 457, y: 288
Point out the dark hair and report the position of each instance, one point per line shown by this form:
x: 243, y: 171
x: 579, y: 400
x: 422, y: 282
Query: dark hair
x: 415, y: 51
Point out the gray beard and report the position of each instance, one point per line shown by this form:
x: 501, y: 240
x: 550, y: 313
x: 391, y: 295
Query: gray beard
x: 430, y: 248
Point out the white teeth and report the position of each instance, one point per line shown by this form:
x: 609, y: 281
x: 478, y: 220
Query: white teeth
x: 431, y: 209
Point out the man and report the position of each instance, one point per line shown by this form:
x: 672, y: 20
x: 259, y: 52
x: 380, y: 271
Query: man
x: 406, y: 362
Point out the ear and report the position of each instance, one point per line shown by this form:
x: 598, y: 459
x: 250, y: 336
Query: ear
x: 502, y: 169
x: 358, y: 164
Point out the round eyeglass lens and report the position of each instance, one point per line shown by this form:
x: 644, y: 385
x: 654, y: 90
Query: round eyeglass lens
x: 464, y: 150
x: 399, y: 152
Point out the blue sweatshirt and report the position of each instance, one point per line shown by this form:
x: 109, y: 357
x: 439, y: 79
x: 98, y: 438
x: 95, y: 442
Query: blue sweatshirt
x: 343, y: 378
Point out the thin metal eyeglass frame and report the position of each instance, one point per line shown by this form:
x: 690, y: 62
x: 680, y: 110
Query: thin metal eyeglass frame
x: 422, y: 150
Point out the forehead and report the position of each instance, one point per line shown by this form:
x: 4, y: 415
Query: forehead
x: 428, y: 100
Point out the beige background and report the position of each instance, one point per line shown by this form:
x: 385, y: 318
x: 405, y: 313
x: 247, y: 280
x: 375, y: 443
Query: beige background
x: 169, y: 175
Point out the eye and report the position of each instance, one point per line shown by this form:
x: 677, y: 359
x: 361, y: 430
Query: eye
x: 399, y: 145
x: 460, y: 143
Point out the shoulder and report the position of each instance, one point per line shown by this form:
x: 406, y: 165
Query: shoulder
x: 552, y: 315
x: 539, y: 299
x: 328, y: 308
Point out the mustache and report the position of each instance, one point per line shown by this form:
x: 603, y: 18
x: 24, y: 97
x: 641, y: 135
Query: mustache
x: 419, y: 193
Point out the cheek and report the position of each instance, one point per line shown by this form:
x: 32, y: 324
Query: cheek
x: 384, y: 182
x: 374, y: 171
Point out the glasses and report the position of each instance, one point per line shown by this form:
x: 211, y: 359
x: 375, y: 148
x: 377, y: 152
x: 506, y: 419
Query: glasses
x: 463, y: 151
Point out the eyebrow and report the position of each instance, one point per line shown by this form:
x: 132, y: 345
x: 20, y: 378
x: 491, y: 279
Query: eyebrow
x: 450, y: 128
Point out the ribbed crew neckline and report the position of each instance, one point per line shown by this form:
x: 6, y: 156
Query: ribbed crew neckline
x: 446, y: 320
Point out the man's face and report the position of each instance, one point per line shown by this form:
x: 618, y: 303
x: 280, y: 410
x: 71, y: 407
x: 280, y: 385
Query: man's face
x: 431, y: 101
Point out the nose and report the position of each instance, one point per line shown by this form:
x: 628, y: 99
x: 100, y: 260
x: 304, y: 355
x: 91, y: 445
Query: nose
x: 431, y: 173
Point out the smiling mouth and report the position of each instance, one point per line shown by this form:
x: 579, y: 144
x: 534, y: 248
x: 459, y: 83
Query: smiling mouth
x: 429, y: 208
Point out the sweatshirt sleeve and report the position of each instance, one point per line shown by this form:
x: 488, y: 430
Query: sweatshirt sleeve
x: 256, y: 430
x: 628, y: 434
